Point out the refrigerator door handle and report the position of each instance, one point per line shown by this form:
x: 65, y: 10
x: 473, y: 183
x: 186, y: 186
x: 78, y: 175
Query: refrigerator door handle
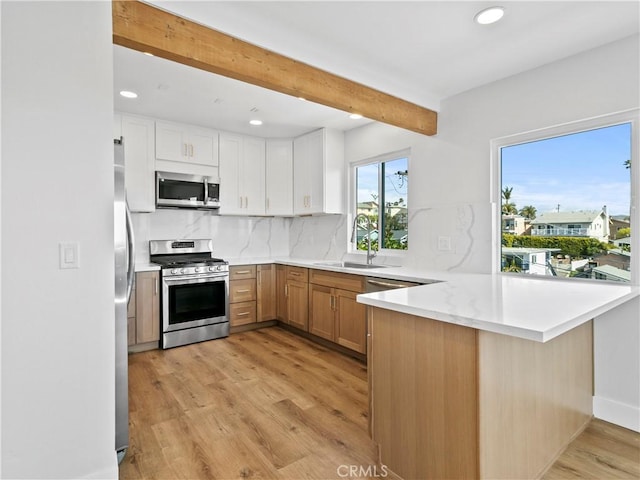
x: 130, y: 251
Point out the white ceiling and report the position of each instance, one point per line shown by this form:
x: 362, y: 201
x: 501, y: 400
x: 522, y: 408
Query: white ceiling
x: 421, y: 51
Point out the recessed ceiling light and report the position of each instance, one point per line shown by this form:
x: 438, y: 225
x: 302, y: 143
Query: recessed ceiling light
x: 255, y: 122
x: 355, y: 116
x: 128, y: 94
x: 489, y: 15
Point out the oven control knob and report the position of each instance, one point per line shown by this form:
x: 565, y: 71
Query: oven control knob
x: 174, y: 271
x: 196, y: 270
x: 212, y: 269
x: 182, y: 270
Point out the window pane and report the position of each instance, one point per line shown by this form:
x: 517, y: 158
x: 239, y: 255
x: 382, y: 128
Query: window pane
x: 395, y: 177
x: 566, y: 205
x: 367, y: 199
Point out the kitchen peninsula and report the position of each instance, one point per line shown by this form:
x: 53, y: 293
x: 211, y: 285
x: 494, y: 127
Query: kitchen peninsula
x: 476, y: 377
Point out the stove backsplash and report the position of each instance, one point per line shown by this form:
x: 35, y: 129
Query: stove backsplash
x: 233, y: 237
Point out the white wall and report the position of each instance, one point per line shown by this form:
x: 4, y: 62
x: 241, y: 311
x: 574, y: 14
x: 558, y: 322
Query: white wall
x: 450, y: 183
x: 57, y: 377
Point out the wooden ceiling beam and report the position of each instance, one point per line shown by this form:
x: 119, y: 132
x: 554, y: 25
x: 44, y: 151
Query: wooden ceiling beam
x: 146, y: 28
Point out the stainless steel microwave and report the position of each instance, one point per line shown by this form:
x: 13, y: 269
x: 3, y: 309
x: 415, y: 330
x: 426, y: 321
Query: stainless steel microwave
x: 177, y: 190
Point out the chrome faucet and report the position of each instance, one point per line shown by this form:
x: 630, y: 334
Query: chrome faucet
x: 370, y: 254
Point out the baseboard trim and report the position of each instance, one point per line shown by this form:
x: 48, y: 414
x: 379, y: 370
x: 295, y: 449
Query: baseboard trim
x: 627, y: 416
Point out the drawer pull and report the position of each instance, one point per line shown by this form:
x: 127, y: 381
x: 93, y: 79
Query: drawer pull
x: 242, y: 314
x: 242, y: 291
x: 242, y: 272
x: 297, y: 274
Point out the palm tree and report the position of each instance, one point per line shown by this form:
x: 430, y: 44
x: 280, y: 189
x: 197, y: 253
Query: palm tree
x: 627, y: 164
x: 529, y: 212
x: 508, y: 208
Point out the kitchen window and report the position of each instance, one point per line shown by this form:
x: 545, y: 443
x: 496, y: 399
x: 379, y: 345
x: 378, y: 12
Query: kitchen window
x: 381, y: 193
x: 573, y: 187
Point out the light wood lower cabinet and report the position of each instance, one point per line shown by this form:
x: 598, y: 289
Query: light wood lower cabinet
x: 266, y: 283
x: 281, y: 293
x: 292, y: 296
x: 242, y: 295
x: 143, y: 312
x: 334, y: 313
x: 252, y: 294
x: 298, y: 304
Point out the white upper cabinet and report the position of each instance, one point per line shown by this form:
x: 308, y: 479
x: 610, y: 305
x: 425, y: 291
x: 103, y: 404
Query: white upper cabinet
x: 186, y: 144
x: 242, y: 175
x: 279, y: 177
x: 319, y: 173
x: 139, y: 160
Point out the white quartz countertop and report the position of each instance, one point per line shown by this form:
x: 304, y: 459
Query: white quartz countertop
x: 529, y: 307
x: 146, y: 267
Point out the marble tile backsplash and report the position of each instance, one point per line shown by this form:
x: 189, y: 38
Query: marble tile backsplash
x: 468, y: 229
x: 233, y: 237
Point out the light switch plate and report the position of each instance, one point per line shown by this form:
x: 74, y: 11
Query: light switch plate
x: 68, y: 254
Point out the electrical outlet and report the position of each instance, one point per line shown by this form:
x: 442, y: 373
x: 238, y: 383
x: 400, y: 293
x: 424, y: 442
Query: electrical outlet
x: 444, y: 244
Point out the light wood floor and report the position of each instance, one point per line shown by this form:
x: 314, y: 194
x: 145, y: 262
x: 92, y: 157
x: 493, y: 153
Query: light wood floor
x: 268, y: 404
x: 602, y: 451
x: 262, y: 404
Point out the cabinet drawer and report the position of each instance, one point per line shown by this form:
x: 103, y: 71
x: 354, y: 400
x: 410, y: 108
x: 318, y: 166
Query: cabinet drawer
x: 343, y: 281
x: 242, y: 290
x: 242, y: 313
x: 241, y: 272
x: 298, y: 274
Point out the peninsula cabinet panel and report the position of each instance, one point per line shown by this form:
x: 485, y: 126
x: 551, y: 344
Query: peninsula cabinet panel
x: 535, y: 397
x: 449, y: 401
x: 424, y: 396
x: 266, y: 280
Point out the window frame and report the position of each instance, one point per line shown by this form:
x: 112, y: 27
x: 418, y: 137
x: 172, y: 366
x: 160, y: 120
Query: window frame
x: 353, y: 199
x: 631, y: 116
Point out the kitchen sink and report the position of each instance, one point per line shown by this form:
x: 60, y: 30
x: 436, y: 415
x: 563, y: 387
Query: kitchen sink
x: 350, y: 265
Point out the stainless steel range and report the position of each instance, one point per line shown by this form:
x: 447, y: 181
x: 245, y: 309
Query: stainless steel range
x: 195, y: 291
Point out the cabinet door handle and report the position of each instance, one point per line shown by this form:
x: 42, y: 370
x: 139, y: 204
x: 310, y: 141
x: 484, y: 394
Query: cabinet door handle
x: 267, y: 204
x: 190, y: 150
x: 155, y: 287
x: 240, y: 202
x: 245, y: 290
x: 286, y: 290
x: 246, y: 202
x: 331, y: 302
x: 184, y: 150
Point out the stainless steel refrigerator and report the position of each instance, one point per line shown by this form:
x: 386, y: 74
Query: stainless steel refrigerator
x: 124, y: 271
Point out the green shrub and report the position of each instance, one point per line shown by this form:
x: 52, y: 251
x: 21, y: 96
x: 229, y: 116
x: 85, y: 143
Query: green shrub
x: 575, y: 247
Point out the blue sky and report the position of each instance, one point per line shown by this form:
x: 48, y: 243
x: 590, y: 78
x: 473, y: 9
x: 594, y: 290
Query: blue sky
x: 368, y: 181
x: 581, y: 171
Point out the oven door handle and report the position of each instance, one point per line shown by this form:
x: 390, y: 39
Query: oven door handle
x: 186, y: 279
